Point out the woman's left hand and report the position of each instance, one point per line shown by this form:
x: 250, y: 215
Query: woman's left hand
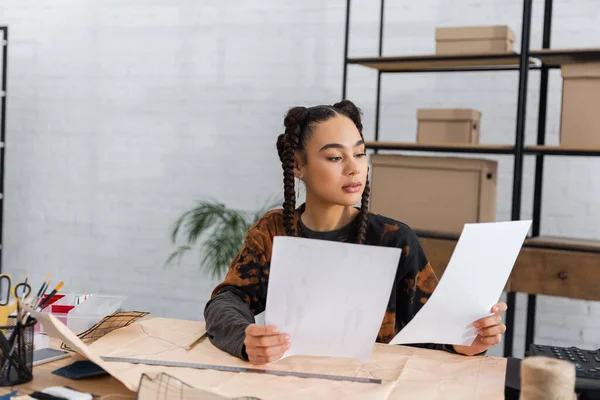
x: 490, y: 330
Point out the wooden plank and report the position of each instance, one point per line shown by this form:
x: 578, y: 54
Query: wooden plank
x: 571, y: 274
x: 550, y: 57
x: 566, y: 273
x: 449, y: 147
x: 435, y: 62
x: 557, y: 57
x: 563, y: 150
x: 565, y: 243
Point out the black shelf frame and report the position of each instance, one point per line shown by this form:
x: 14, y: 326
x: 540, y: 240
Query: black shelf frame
x: 526, y: 63
x: 3, y: 95
x: 539, y: 166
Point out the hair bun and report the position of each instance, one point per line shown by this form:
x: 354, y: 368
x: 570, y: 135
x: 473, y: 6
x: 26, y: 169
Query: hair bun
x: 348, y: 107
x: 295, y: 117
x: 350, y: 110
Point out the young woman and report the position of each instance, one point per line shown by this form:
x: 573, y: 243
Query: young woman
x: 323, y: 147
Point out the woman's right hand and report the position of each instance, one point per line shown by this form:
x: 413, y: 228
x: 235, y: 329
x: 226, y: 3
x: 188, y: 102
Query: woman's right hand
x: 264, y: 344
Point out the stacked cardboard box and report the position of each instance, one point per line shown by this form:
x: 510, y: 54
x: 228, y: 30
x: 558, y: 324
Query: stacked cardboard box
x: 580, y: 114
x: 474, y: 40
x: 438, y: 125
x: 438, y: 194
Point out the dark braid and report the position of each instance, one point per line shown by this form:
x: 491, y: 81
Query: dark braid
x: 287, y: 144
x: 298, y: 129
x: 351, y: 111
x: 364, y: 211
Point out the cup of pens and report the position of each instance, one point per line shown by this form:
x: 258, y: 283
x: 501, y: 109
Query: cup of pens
x: 16, y: 345
x: 17, y: 327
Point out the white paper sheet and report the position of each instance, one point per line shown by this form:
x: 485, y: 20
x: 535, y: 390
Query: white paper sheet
x: 471, y: 284
x: 330, y: 297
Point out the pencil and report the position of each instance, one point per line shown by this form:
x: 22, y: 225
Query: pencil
x: 199, y: 340
x: 49, y: 297
x: 42, y: 290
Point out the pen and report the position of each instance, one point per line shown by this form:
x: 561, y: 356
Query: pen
x: 40, y: 307
x: 42, y: 290
x: 49, y: 297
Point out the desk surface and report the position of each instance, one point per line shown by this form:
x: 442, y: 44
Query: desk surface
x: 404, y: 371
x: 44, y: 378
x: 99, y: 386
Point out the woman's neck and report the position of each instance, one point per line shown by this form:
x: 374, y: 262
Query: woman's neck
x: 321, y: 217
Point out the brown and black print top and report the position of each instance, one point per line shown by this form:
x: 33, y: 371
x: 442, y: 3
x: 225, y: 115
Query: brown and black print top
x: 248, y: 276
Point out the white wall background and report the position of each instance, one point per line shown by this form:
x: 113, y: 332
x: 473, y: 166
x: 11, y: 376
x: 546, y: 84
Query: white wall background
x: 122, y: 114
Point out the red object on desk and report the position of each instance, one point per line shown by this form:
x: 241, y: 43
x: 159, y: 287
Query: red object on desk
x: 61, y: 309
x: 55, y: 309
x: 53, y: 300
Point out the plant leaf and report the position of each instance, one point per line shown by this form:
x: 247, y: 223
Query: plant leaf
x: 223, y: 245
x: 178, y: 254
x: 202, y: 218
x: 206, y: 215
x: 223, y: 228
x: 177, y: 225
x: 200, y: 214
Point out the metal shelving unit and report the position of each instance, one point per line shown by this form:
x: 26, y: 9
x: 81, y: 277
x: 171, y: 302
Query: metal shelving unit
x: 4, y: 48
x: 525, y: 60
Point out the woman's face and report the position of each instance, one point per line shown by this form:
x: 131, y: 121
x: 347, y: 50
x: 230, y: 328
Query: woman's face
x: 334, y: 165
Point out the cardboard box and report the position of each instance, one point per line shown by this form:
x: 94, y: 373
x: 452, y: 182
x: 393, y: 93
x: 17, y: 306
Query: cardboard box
x: 437, y: 194
x: 460, y: 125
x: 580, y: 114
x: 474, y: 40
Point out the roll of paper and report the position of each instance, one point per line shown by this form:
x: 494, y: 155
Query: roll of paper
x: 545, y: 378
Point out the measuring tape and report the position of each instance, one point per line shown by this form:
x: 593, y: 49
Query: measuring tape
x: 240, y: 369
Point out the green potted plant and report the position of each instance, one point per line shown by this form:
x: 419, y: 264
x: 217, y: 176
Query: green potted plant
x: 217, y: 230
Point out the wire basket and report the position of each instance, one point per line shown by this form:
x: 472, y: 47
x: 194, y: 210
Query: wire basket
x: 16, y: 344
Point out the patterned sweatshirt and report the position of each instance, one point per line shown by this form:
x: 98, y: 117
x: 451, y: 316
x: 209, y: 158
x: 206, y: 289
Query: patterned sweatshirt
x: 243, y: 292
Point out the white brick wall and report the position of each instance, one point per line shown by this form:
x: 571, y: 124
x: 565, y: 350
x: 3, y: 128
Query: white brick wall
x: 121, y: 115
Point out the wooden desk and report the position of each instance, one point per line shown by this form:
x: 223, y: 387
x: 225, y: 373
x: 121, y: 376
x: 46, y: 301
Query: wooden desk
x: 539, y: 269
x: 102, y: 386
x: 44, y: 378
x: 98, y: 387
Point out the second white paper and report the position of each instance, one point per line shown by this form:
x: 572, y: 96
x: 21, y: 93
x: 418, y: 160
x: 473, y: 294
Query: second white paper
x: 471, y: 284
x: 330, y: 297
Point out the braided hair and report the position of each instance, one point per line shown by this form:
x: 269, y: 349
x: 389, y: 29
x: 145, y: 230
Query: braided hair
x: 299, y: 123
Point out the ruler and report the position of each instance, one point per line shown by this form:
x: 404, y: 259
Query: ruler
x: 240, y: 369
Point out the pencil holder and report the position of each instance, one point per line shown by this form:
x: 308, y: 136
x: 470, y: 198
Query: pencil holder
x: 16, y: 345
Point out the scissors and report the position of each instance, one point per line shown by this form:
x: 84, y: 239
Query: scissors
x: 21, y: 291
